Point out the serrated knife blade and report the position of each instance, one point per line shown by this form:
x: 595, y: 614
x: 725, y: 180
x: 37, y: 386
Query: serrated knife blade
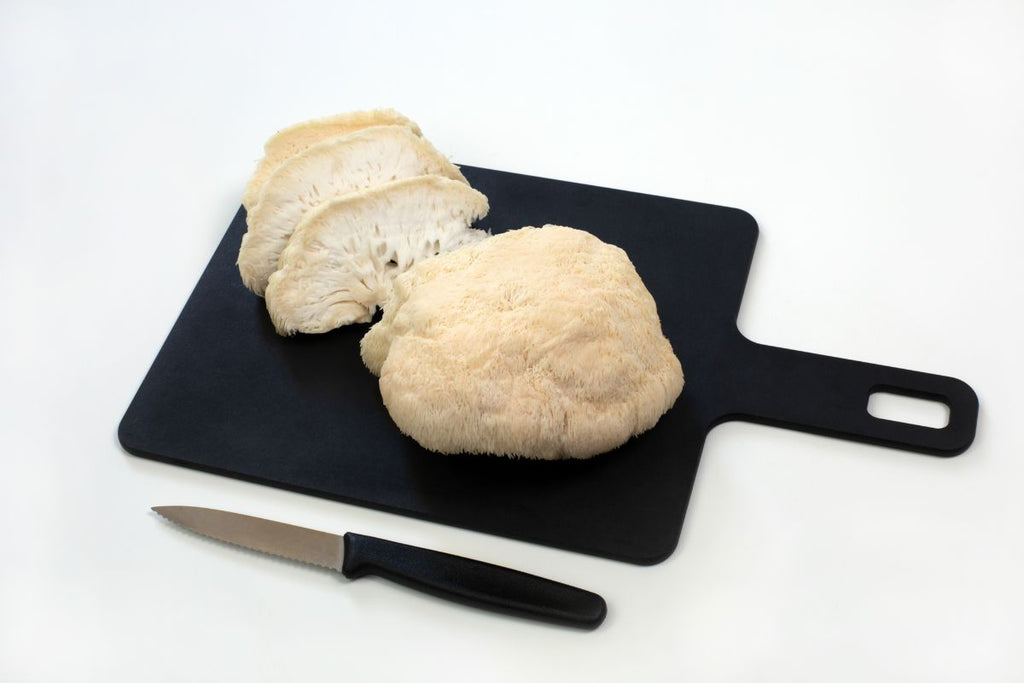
x: 276, y: 538
x: 451, y: 577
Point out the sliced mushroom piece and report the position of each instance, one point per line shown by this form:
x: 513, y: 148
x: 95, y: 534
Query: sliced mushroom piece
x: 324, y: 171
x: 293, y: 139
x: 343, y: 258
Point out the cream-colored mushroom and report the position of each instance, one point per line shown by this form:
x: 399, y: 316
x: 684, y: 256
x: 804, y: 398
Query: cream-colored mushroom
x: 539, y: 342
x: 324, y: 171
x: 294, y: 139
x: 341, y: 260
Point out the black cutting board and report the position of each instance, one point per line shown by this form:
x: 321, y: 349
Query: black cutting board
x: 227, y: 395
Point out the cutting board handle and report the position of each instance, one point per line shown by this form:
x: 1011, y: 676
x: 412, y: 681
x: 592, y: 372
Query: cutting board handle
x: 827, y: 395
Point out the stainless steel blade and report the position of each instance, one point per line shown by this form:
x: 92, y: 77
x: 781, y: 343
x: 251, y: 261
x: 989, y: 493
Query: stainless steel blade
x: 293, y: 542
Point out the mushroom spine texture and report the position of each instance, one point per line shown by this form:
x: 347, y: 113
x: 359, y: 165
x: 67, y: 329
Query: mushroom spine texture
x: 539, y: 342
x: 294, y: 139
x: 328, y: 169
x: 343, y: 257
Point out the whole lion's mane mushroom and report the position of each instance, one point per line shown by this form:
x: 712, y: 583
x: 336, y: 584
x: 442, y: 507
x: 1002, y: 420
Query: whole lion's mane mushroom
x: 539, y: 342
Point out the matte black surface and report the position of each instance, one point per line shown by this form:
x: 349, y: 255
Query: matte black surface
x: 227, y: 395
x: 472, y: 582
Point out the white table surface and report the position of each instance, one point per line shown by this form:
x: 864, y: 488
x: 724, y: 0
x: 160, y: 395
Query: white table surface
x: 880, y: 146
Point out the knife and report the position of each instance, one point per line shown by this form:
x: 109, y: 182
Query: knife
x: 451, y: 577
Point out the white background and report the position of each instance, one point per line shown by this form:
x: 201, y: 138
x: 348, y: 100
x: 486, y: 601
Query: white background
x: 880, y: 146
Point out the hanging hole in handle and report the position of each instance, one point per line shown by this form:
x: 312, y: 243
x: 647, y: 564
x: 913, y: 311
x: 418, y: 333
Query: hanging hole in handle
x: 923, y: 412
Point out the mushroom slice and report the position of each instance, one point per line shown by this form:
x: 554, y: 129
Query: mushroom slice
x: 322, y: 172
x: 342, y: 259
x: 293, y: 139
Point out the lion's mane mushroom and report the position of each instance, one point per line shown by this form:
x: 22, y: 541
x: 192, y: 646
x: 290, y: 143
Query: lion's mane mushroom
x: 324, y: 171
x: 294, y: 139
x: 341, y: 260
x: 539, y: 342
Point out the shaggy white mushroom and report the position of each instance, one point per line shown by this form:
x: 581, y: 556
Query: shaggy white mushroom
x: 341, y: 261
x: 539, y: 342
x: 326, y: 170
x: 293, y: 139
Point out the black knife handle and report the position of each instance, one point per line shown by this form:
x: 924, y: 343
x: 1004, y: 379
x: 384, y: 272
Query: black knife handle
x: 472, y: 582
